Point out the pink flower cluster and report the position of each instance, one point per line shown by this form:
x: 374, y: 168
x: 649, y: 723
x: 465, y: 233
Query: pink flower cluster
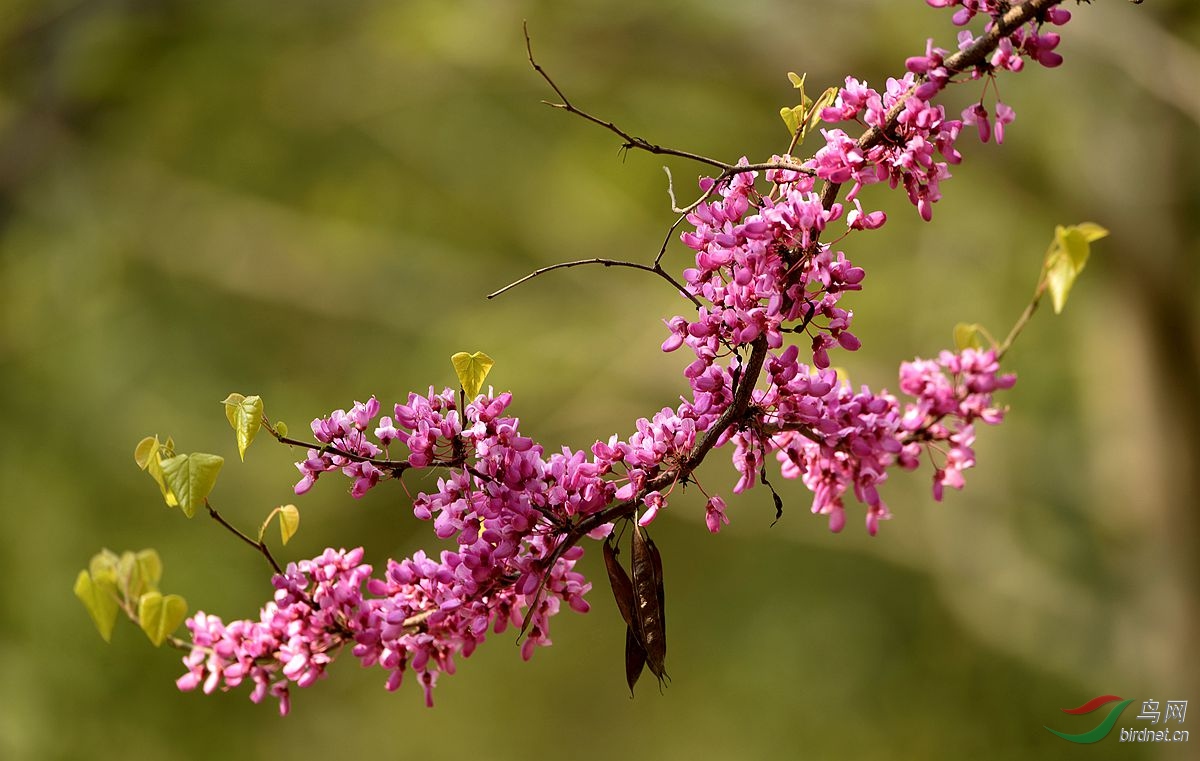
x: 757, y: 265
x: 318, y: 603
x: 923, y: 133
x: 836, y: 440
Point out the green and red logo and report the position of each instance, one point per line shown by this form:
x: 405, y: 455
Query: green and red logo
x: 1102, y: 729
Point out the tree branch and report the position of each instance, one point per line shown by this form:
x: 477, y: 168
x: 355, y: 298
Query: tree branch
x: 258, y: 545
x: 655, y: 269
x: 961, y: 61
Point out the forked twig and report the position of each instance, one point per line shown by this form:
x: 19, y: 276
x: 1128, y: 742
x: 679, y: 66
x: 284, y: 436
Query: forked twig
x: 656, y: 269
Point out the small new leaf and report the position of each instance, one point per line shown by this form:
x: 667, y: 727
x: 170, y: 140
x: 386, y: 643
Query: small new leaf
x: 144, y: 450
x: 1067, y: 257
x: 159, y: 615
x: 791, y: 118
x: 244, y: 414
x: 154, y: 468
x: 289, y: 522
x: 191, y: 478
x: 472, y: 369
x: 100, y: 600
x: 825, y: 100
x: 103, y: 566
x: 149, y: 567
x: 967, y: 335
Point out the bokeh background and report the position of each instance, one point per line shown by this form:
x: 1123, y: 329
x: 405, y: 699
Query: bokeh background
x: 309, y: 201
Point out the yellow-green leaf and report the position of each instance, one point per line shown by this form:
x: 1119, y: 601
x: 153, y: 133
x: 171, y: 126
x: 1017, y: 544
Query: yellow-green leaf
x: 99, y: 598
x: 244, y: 414
x: 792, y: 117
x: 472, y: 369
x: 149, y: 567
x: 103, y: 565
x: 814, y: 112
x: 143, y: 451
x: 289, y: 522
x: 191, y: 478
x: 967, y: 335
x: 1091, y: 231
x: 281, y: 428
x: 797, y: 80
x: 1067, y: 257
x: 128, y: 575
x: 154, y: 468
x: 1060, y: 276
x: 159, y: 615
x: 1072, y: 242
x: 231, y: 402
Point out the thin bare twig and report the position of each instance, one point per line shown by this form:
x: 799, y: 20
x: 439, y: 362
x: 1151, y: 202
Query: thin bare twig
x: 258, y: 545
x: 657, y: 270
x: 1025, y: 317
x: 395, y: 467
x: 630, y: 141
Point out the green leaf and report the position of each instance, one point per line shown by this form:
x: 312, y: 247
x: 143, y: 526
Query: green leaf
x: 281, y: 428
x: 814, y: 112
x: 967, y: 335
x: 472, y: 369
x: 289, y: 522
x: 103, y: 566
x: 797, y: 80
x: 191, y: 478
x: 128, y: 576
x: 1091, y: 231
x: 144, y: 449
x: 1060, y: 276
x: 149, y: 567
x: 154, y: 468
x: 99, y: 597
x: 792, y: 117
x: 159, y: 615
x: 245, y: 414
x: 1074, y: 245
x: 1067, y: 257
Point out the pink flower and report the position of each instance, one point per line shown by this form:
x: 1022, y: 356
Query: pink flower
x: 714, y: 514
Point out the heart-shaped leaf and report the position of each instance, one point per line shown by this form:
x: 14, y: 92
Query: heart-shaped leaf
x: 791, y: 118
x: 289, y: 522
x: 149, y: 569
x: 245, y: 414
x: 144, y: 449
x: 154, y: 468
x: 1067, y: 257
x: 967, y: 336
x: 159, y: 615
x: 191, y: 478
x: 100, y: 600
x: 472, y: 369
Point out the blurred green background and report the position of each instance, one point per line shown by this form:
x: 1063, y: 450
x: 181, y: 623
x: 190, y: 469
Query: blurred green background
x: 309, y: 200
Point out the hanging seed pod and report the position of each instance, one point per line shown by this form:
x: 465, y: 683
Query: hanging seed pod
x: 662, y: 599
x: 622, y: 587
x: 647, y: 607
x: 635, y: 659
